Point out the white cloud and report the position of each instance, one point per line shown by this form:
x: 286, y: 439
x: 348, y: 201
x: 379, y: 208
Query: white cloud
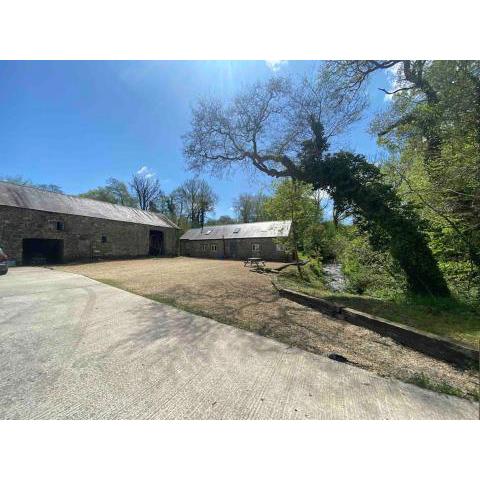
x: 275, y: 65
x: 146, y: 171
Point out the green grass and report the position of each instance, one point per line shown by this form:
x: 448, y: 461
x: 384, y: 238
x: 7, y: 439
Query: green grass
x: 445, y: 317
x: 421, y: 380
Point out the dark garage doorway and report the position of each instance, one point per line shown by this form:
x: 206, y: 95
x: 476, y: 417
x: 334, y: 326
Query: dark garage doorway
x: 39, y: 251
x: 156, y: 243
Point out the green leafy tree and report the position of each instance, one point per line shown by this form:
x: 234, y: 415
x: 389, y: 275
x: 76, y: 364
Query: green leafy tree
x: 432, y: 129
x: 327, y: 240
x: 393, y: 225
x: 115, y: 191
x: 250, y: 208
x: 294, y: 200
x: 222, y: 220
x: 369, y: 271
x: 173, y: 205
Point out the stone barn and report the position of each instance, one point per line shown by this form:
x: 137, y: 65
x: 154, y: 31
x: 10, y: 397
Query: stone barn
x: 38, y: 227
x: 240, y: 241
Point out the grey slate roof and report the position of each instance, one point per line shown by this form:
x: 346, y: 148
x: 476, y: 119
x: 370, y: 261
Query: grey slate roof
x: 245, y: 230
x: 36, y: 199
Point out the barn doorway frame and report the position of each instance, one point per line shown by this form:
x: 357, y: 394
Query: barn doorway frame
x: 42, y: 251
x: 156, y: 243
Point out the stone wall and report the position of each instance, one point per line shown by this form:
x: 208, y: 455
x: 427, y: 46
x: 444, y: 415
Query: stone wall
x: 82, y: 236
x: 425, y: 342
x: 238, y: 248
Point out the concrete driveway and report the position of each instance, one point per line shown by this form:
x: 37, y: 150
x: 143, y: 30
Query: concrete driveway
x: 73, y: 348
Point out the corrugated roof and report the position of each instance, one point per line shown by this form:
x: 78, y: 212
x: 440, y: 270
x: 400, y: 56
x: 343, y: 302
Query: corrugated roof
x: 36, y: 199
x: 241, y: 230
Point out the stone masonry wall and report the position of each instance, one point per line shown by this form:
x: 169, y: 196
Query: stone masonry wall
x: 238, y: 248
x: 82, y: 236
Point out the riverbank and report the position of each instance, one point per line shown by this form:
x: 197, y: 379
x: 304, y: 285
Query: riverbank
x: 445, y: 317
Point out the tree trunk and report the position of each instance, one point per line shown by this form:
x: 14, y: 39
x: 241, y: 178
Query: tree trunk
x: 357, y: 185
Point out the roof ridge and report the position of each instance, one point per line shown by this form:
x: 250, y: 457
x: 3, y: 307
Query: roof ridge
x: 65, y: 194
x: 237, y: 224
x: 269, y: 228
x: 88, y: 203
x: 161, y: 215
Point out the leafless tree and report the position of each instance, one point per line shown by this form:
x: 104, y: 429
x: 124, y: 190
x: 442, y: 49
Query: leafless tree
x: 198, y: 198
x: 147, y: 190
x: 266, y: 124
x: 189, y: 193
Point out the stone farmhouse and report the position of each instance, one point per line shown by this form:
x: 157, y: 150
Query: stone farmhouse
x: 240, y: 241
x: 38, y: 226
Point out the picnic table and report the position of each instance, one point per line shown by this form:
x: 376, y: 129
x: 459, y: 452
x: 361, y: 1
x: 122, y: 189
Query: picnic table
x: 254, y: 262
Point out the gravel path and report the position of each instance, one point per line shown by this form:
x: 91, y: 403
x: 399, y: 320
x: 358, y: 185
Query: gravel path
x: 228, y: 292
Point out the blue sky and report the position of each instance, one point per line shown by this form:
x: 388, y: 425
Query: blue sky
x: 77, y: 123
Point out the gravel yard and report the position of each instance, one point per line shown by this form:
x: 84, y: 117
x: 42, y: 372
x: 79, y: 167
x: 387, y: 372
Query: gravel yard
x: 230, y: 293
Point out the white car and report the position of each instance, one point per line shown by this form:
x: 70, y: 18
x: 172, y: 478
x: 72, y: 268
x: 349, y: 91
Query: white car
x: 3, y: 262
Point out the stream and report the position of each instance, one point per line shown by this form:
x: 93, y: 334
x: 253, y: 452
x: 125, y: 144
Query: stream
x: 334, y: 277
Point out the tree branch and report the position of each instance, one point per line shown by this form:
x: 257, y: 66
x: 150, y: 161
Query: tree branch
x: 398, y: 123
x: 395, y: 91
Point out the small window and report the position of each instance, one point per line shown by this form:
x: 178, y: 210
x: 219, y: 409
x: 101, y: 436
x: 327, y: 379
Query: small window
x: 255, y: 247
x: 236, y: 230
x: 60, y: 226
x: 204, y: 247
x: 208, y: 232
x: 280, y: 247
x: 213, y: 247
x: 104, y: 239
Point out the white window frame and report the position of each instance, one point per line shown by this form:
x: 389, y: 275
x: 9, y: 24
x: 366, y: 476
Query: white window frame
x: 213, y: 247
x: 280, y: 247
x: 256, y: 247
x: 204, y: 247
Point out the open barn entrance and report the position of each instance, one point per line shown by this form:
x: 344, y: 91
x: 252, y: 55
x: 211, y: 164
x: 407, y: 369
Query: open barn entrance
x: 156, y: 243
x: 39, y: 251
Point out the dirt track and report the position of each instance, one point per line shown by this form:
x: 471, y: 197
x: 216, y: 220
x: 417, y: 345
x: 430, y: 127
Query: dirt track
x: 227, y: 291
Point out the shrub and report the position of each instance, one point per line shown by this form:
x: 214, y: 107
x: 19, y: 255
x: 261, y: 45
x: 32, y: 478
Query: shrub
x: 370, y: 272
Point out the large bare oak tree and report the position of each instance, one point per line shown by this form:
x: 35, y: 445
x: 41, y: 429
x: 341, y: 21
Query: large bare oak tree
x: 266, y: 124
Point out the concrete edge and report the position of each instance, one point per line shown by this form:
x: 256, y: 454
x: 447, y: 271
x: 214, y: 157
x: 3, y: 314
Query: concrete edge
x: 424, y: 342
